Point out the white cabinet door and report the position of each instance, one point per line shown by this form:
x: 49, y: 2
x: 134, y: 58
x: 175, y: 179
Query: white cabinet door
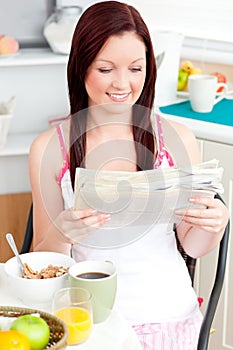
x: 222, y: 338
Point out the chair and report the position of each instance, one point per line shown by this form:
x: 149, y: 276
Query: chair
x: 217, y: 285
x: 190, y: 263
x: 28, y: 236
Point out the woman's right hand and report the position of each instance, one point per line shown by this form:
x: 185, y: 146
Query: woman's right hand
x: 74, y: 225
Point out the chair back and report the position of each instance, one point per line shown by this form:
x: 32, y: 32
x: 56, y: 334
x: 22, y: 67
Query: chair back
x: 28, y: 236
x: 217, y: 285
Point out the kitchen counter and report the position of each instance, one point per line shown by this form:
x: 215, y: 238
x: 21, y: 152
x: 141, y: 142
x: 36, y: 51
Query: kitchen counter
x: 203, y: 129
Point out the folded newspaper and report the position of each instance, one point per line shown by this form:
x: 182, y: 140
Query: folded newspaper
x: 145, y: 197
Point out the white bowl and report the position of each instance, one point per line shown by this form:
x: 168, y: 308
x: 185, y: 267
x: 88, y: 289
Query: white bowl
x: 37, y: 292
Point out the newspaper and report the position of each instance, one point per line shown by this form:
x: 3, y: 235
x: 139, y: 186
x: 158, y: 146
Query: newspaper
x: 145, y: 197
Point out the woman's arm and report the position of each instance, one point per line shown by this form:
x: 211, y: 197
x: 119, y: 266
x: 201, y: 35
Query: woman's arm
x: 55, y: 229
x: 199, y: 229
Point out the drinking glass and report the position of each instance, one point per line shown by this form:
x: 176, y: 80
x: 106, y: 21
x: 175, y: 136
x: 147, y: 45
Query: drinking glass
x: 73, y: 306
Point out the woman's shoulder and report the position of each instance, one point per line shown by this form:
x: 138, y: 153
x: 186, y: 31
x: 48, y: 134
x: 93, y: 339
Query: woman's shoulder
x: 42, y: 140
x: 179, y: 131
x: 180, y: 128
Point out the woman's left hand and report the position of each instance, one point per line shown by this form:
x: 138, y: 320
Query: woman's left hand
x: 212, y: 217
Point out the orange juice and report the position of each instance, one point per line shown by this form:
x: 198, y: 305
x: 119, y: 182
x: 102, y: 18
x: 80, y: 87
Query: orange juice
x: 78, y: 322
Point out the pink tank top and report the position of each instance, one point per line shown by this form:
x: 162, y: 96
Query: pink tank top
x: 163, y: 158
x: 65, y: 158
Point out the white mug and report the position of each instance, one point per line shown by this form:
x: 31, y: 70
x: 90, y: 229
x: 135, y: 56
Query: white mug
x: 202, y: 92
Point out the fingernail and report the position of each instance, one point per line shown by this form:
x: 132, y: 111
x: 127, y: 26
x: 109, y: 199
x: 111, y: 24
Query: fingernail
x: 178, y: 211
x: 107, y: 217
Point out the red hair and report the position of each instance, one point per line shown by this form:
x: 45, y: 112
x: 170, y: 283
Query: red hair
x: 95, y: 26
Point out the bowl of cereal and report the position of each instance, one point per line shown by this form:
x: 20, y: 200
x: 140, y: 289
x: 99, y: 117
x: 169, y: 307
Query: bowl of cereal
x: 45, y: 273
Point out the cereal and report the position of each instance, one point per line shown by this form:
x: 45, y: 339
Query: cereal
x: 48, y: 272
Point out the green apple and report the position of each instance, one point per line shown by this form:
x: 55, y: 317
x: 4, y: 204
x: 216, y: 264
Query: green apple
x: 182, y: 80
x: 34, y: 328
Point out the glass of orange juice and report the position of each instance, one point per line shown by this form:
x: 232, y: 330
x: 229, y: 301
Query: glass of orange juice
x: 73, y: 306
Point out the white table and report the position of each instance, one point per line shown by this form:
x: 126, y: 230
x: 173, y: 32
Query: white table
x: 115, y: 333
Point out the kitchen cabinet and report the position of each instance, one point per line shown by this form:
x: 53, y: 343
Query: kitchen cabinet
x: 13, y: 218
x: 216, y: 141
x: 222, y: 338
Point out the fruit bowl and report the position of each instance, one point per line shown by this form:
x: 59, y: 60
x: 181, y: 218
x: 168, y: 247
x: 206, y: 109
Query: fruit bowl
x: 58, y: 330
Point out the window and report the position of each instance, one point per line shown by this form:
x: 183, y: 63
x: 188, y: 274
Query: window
x: 208, y: 19
x: 206, y: 24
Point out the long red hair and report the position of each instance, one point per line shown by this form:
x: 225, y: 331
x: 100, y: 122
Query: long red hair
x: 95, y: 26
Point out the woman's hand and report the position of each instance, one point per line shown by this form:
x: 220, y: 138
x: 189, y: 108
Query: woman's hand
x: 200, y: 229
x: 74, y: 225
x: 212, y: 218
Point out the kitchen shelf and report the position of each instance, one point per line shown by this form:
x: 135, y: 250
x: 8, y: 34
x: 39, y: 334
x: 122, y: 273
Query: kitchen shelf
x: 33, y: 57
x: 18, y: 144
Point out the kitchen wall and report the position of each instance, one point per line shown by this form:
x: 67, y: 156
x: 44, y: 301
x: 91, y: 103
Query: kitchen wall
x: 24, y: 20
x: 209, y: 67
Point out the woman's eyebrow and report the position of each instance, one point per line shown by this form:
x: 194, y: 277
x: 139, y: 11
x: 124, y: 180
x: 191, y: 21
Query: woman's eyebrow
x: 109, y: 61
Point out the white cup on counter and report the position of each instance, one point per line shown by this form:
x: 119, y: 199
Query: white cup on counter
x: 203, y: 92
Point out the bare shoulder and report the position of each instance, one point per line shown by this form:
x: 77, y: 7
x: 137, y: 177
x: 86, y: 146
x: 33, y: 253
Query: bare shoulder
x: 186, y: 136
x: 44, y: 150
x: 181, y: 129
x: 41, y: 142
x: 44, y: 157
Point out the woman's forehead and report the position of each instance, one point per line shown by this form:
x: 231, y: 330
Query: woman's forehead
x: 128, y: 44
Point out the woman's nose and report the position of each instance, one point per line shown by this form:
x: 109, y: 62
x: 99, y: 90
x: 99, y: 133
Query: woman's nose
x: 120, y: 82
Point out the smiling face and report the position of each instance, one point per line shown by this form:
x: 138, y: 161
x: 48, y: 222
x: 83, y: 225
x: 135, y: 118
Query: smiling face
x: 118, y: 72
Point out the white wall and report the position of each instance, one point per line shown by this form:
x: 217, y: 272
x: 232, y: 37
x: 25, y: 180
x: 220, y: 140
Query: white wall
x: 41, y: 92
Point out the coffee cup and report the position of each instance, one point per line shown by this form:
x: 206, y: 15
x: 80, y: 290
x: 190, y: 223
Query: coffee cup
x: 100, y: 278
x: 203, y: 92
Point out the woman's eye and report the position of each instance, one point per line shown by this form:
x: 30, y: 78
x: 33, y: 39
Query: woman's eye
x: 104, y: 70
x: 136, y: 69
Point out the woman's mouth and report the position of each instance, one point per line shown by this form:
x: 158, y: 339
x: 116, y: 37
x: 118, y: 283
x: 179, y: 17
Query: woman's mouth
x: 118, y: 97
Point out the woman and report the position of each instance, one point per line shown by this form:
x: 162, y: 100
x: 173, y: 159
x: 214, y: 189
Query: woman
x: 111, y: 80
